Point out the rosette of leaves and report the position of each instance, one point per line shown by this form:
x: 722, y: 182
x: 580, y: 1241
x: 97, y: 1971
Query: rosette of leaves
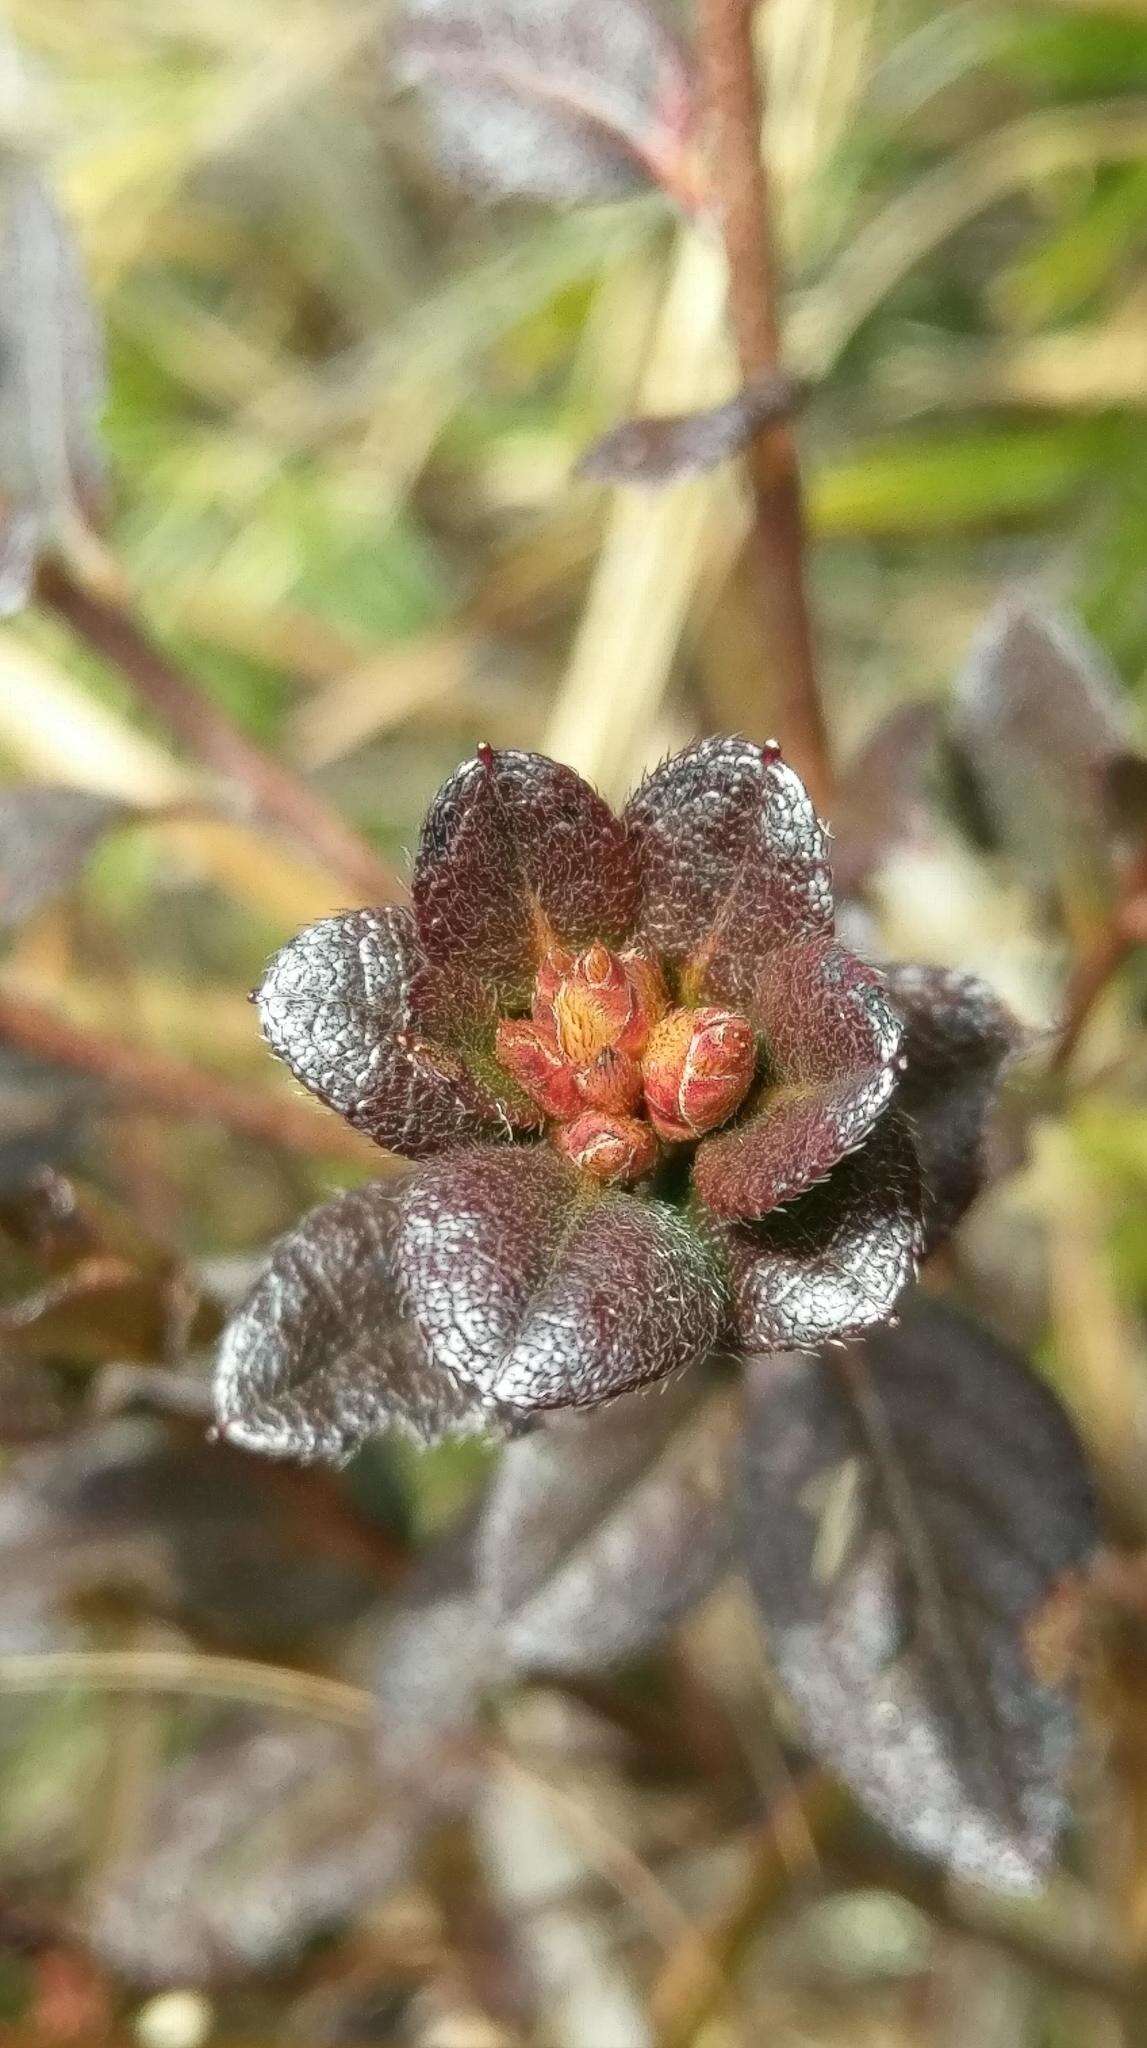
x: 661, y: 1121
x: 658, y: 1109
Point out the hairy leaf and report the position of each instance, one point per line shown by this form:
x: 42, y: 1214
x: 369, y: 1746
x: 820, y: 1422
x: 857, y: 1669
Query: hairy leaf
x: 538, y: 1293
x: 838, y: 1259
x: 46, y: 835
x: 345, y: 1005
x: 831, y: 1042
x: 958, y: 1036
x: 907, y: 1533
x: 1040, y: 714
x: 672, y: 445
x: 518, y: 853
x: 733, y: 862
x: 268, y: 1836
x: 51, y: 379
x: 880, y: 802
x: 552, y: 99
x: 601, y: 1531
x: 323, y: 1353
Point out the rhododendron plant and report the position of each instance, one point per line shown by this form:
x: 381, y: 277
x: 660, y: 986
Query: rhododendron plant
x: 659, y: 1109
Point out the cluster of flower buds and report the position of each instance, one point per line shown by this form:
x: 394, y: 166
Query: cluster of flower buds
x: 614, y: 1068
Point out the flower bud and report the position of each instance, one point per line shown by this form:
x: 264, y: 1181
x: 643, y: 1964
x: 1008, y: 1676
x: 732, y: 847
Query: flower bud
x: 697, y: 1069
x: 650, y: 1001
x: 609, y: 1148
x: 612, y: 1081
x: 531, y: 1056
x: 555, y: 966
x: 592, y: 1005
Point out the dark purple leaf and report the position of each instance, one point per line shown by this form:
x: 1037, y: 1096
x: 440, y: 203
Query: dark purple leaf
x: 1125, y: 796
x: 324, y: 1354
x: 958, y: 1037
x: 734, y: 862
x: 44, y: 1111
x: 672, y: 445
x: 830, y: 1042
x: 552, y: 99
x: 517, y: 854
x: 601, y: 1531
x: 838, y: 1259
x: 435, y: 1661
x: 34, y: 1402
x: 906, y: 1533
x: 270, y: 1835
x: 47, y: 834
x: 880, y: 803
x: 1040, y: 714
x: 345, y: 1005
x: 192, y: 1530
x: 538, y: 1291
x: 51, y: 378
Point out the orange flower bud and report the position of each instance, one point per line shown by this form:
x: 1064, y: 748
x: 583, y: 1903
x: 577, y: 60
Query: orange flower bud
x: 552, y: 972
x: 697, y: 1069
x: 650, y: 1001
x: 531, y: 1055
x: 611, y: 1081
x: 609, y: 1148
x: 593, y: 1004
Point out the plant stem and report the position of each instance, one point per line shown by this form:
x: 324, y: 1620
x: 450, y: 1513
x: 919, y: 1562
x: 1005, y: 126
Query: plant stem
x: 155, y: 1080
x: 698, y: 1978
x: 236, y: 1680
x: 106, y: 623
x: 740, y: 185
x: 1125, y: 930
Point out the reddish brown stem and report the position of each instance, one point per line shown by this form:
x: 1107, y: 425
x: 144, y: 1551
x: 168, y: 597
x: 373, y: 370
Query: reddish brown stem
x: 277, y: 794
x: 1125, y: 930
x: 740, y: 186
x: 156, y: 1081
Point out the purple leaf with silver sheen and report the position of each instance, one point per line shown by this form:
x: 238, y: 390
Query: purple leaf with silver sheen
x: 536, y: 1262
x: 1041, y: 714
x: 538, y: 1293
x: 733, y: 862
x: 914, y: 1520
x: 267, y: 1836
x: 882, y: 802
x: 518, y: 854
x: 832, y: 1042
x: 47, y: 834
x: 601, y: 1531
x: 957, y: 1039
x: 342, y: 1006
x: 836, y: 1260
x: 665, y: 447
x: 322, y: 1355
x: 562, y: 100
